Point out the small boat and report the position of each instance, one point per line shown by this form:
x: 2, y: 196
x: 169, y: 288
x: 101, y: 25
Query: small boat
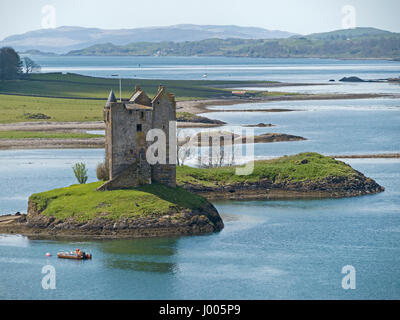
x: 74, y: 255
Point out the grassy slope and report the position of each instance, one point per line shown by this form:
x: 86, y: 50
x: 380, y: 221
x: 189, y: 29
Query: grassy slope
x: 45, y: 135
x: 14, y: 108
x: 288, y: 168
x: 78, y: 86
x: 83, y: 202
x: 71, y: 97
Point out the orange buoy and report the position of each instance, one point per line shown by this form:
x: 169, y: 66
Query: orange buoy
x: 48, y: 254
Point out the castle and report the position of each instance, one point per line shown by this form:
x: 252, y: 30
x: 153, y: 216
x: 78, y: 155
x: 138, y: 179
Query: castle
x: 127, y: 124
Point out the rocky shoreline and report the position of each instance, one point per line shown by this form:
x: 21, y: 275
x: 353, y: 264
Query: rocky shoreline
x: 185, y: 222
x: 202, y: 106
x: 97, y: 143
x: 332, y: 187
x: 177, y: 223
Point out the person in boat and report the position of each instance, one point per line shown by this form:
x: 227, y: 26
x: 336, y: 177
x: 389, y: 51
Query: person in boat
x: 80, y: 253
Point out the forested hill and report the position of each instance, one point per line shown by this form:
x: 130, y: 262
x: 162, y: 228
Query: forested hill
x: 353, y: 43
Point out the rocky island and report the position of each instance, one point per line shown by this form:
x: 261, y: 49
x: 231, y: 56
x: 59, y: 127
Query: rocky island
x: 80, y: 211
x: 305, y: 175
x: 157, y: 210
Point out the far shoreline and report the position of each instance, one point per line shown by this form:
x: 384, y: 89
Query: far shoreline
x: 194, y: 107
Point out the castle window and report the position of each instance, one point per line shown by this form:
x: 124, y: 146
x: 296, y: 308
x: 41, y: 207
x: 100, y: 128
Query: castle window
x: 139, y: 127
x: 141, y: 115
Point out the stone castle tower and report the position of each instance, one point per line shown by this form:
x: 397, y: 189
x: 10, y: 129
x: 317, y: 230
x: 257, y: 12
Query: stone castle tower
x: 127, y: 124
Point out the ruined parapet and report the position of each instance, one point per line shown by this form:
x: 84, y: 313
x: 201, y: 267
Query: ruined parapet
x: 140, y: 97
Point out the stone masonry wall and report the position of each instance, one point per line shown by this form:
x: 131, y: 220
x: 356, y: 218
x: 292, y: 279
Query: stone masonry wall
x: 164, y: 111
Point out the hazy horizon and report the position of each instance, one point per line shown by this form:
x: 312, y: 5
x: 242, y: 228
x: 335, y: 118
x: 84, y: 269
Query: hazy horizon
x: 285, y: 15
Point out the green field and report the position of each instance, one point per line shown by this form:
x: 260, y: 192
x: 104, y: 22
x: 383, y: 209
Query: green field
x: 78, y: 86
x: 21, y: 108
x: 16, y: 108
x: 46, y: 135
x: 71, y: 97
x: 301, y: 167
x: 83, y: 202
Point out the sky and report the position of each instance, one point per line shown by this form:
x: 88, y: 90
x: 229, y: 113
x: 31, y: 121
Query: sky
x: 299, y: 16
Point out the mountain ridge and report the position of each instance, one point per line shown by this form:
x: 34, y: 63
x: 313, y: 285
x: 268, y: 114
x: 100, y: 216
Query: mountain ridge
x: 343, y: 44
x: 66, y: 38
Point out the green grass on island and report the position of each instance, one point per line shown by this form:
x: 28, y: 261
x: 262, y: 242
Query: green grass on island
x: 307, y: 166
x: 46, y: 135
x: 83, y: 202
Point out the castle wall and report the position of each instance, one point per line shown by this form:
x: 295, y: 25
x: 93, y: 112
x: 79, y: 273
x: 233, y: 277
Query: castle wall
x: 164, y: 111
x: 128, y: 145
x: 127, y: 125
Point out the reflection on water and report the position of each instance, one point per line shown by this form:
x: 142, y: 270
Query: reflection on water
x: 153, y: 254
x: 143, y: 247
x: 143, y: 266
x: 13, y: 240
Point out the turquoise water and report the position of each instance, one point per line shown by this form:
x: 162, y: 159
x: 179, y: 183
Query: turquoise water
x: 268, y: 249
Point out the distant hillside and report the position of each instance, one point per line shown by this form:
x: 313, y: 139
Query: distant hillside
x: 64, y: 39
x: 355, y: 43
x: 345, y: 34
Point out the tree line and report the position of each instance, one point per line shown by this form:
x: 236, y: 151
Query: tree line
x: 372, y: 46
x: 13, y: 67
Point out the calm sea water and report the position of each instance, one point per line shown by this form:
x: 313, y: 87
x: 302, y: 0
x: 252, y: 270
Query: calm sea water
x: 268, y: 249
x: 332, y: 127
x: 391, y: 88
x: 222, y: 68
